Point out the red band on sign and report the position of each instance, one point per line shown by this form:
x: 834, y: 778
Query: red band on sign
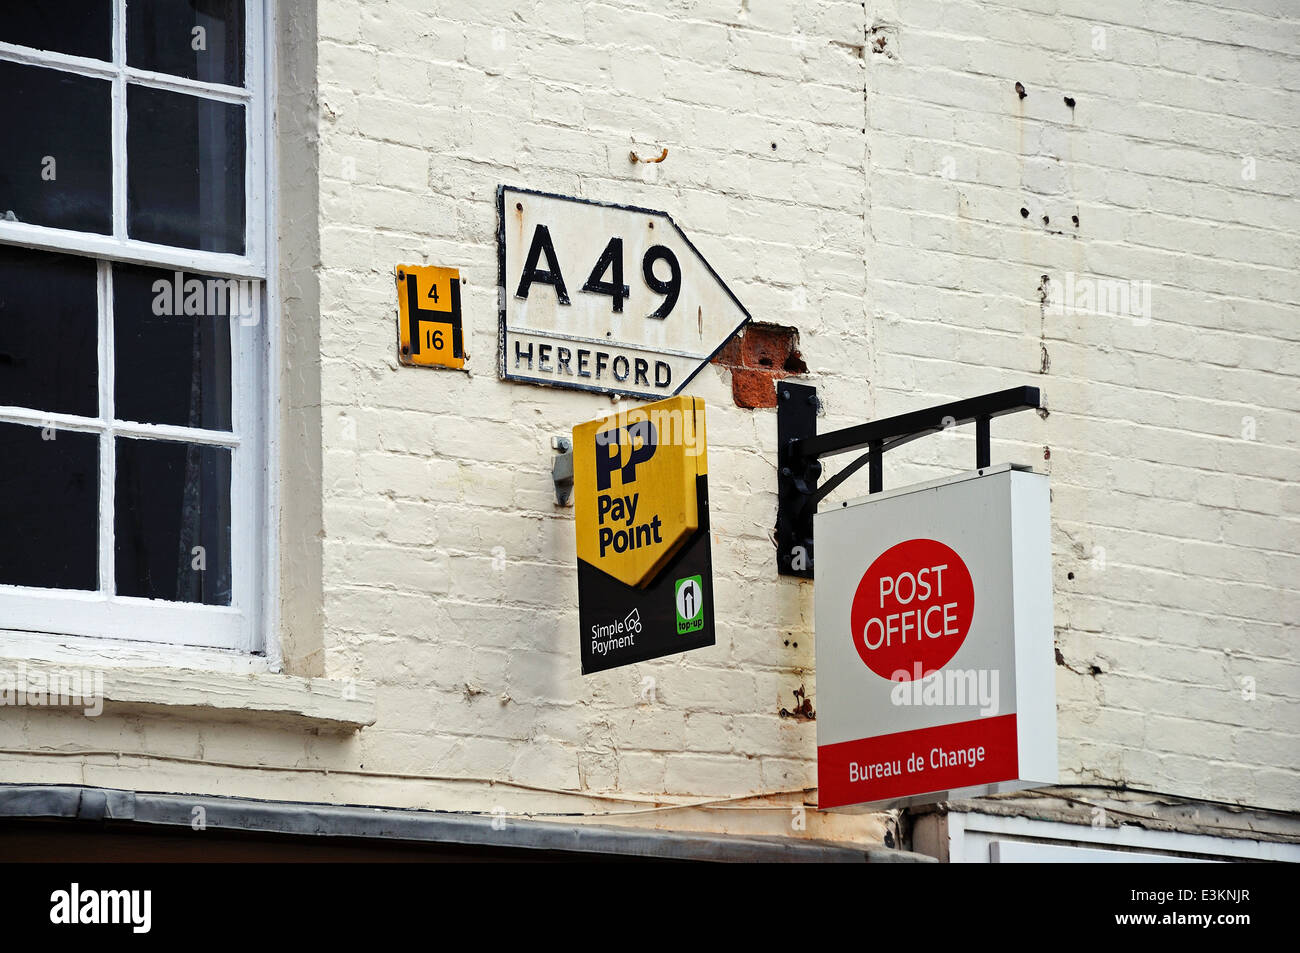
x: 908, y: 763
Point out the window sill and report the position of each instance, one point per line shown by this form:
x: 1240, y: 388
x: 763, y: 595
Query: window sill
x: 91, y: 652
x: 332, y: 705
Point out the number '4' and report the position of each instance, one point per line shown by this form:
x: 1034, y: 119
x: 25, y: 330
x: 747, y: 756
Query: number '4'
x: 611, y: 259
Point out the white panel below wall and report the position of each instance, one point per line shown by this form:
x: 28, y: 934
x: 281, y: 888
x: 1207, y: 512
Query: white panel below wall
x: 1031, y: 852
x: 987, y: 838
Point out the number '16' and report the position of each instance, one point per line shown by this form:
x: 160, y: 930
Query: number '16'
x: 606, y: 276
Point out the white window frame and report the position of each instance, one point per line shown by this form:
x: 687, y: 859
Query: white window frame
x: 30, y: 615
x: 117, y: 246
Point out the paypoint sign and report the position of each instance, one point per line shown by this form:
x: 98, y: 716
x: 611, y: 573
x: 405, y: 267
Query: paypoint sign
x: 935, y: 663
x: 645, y: 575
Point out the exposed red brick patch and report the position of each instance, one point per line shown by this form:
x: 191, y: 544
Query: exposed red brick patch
x: 751, y: 388
x: 729, y: 356
x: 758, y: 357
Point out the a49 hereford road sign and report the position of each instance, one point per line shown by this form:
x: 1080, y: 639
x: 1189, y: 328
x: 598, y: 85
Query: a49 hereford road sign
x: 606, y: 298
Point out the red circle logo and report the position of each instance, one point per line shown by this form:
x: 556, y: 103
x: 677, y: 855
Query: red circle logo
x: 912, y: 609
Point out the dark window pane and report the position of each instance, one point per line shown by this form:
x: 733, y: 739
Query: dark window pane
x: 185, y: 170
x: 49, y: 507
x: 48, y: 332
x: 199, y: 39
x: 172, y: 521
x: 75, y: 27
x: 173, y: 348
x: 55, y: 149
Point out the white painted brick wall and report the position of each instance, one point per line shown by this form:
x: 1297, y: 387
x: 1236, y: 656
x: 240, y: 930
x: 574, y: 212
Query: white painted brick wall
x: 1175, y: 538
x: 554, y: 96
x: 448, y: 570
x: 1145, y: 433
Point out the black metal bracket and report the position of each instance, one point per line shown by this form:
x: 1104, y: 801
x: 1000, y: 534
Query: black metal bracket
x: 800, y: 449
